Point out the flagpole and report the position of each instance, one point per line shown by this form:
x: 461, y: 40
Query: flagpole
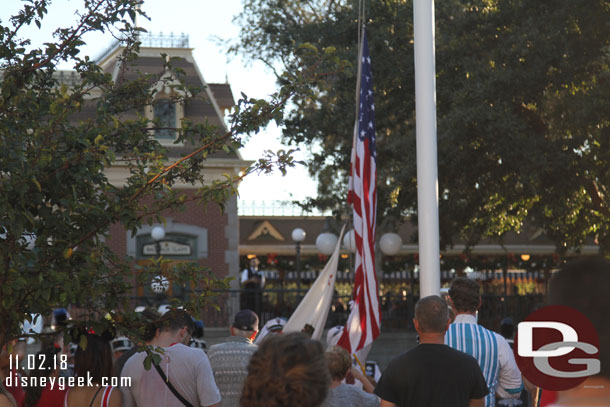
x: 427, y: 172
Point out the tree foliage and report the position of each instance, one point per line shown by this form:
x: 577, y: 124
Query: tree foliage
x: 57, y: 203
x: 522, y: 109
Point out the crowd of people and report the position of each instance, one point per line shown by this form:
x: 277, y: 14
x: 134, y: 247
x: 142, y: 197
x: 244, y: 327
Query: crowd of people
x: 455, y: 363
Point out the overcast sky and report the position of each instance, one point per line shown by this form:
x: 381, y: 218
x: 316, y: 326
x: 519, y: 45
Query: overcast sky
x: 202, y: 20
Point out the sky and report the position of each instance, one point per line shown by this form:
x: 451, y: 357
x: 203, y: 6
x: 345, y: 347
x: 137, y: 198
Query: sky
x: 203, y: 21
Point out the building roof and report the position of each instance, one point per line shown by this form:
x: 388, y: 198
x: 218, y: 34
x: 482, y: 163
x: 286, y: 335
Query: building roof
x: 223, y: 95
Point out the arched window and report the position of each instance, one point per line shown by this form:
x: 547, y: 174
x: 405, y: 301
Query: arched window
x: 164, y: 113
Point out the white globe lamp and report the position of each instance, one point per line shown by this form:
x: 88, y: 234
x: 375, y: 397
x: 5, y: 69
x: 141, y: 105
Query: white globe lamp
x: 157, y: 233
x: 349, y: 241
x: 326, y: 243
x: 390, y: 243
x: 298, y: 235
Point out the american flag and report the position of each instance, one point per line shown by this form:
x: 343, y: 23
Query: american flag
x: 364, y: 321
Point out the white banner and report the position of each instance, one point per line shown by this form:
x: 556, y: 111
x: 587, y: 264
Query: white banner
x: 314, y: 307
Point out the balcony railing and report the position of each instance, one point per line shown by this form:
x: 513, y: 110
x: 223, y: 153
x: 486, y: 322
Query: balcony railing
x: 275, y: 208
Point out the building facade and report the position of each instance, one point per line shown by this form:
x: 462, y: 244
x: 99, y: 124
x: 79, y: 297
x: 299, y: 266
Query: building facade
x: 201, y: 233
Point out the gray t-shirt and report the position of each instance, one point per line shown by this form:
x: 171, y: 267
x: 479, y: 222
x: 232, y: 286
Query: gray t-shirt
x: 349, y: 395
x: 189, y: 371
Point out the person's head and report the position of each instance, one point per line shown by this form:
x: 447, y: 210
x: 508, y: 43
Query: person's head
x: 464, y: 294
x: 119, y: 346
x: 45, y: 366
x: 199, y: 330
x: 95, y: 359
x: 339, y: 362
x: 286, y: 370
x: 151, y: 319
x: 178, y: 325
x: 245, y: 324
x: 431, y: 315
x: 254, y: 263
x: 584, y: 284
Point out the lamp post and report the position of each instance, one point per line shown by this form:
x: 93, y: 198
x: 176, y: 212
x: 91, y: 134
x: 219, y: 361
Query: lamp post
x: 298, y: 235
x: 159, y: 284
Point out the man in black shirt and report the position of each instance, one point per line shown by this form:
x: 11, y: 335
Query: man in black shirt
x: 432, y: 374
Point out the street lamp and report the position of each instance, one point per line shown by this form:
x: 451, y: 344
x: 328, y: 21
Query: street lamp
x: 157, y: 233
x: 298, y: 235
x: 390, y: 243
x: 326, y: 243
x: 159, y: 284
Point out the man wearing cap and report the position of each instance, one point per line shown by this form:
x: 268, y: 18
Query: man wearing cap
x: 229, y: 360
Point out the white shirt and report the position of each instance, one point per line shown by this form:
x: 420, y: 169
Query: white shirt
x: 493, y: 353
x: 244, y: 276
x: 188, y: 370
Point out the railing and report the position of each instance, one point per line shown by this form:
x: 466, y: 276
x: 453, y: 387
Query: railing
x: 275, y: 208
x: 161, y: 40
x: 150, y: 40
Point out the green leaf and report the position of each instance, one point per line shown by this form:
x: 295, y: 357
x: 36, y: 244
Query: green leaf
x: 82, y: 343
x: 147, y: 362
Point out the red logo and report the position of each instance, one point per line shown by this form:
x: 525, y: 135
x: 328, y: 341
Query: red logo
x: 557, y: 348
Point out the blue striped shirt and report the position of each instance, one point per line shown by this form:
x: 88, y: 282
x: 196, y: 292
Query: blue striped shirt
x: 493, y: 353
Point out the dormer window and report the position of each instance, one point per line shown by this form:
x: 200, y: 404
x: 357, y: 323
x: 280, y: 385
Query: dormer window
x: 167, y: 112
x: 164, y: 113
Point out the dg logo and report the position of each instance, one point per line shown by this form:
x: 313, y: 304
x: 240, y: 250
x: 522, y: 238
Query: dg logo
x: 557, y: 348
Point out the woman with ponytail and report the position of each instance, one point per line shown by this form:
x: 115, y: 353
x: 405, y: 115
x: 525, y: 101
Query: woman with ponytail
x: 94, y: 361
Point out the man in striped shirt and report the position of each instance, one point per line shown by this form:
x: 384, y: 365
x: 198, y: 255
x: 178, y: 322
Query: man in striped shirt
x: 490, y: 349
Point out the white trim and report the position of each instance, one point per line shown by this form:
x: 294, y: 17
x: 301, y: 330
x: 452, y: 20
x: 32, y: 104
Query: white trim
x: 215, y: 169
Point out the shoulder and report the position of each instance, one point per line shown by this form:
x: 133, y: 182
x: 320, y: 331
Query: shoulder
x: 6, y: 400
x: 133, y: 362
x: 463, y: 357
x: 116, y: 398
x: 401, y: 361
x: 346, y: 392
x: 233, y: 349
x: 500, y: 339
x: 180, y: 350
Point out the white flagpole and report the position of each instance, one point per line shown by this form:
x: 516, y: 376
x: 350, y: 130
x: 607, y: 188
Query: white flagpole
x: 427, y: 172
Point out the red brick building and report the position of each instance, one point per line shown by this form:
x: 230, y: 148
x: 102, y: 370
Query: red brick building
x: 205, y: 235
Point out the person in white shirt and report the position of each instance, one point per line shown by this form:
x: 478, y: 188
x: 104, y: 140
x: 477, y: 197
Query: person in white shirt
x: 253, y: 283
x: 186, y: 369
x: 491, y: 350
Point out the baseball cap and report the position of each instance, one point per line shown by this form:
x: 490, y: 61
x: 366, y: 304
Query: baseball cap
x: 246, y: 320
x: 121, y: 344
